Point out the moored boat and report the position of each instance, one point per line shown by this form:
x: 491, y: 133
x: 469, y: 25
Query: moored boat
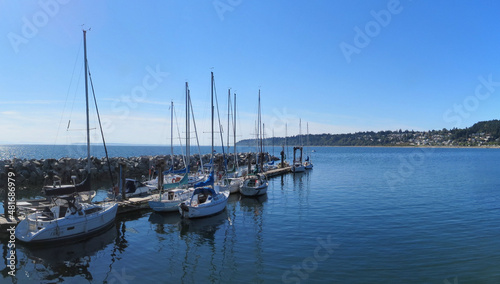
x: 233, y: 184
x: 297, y: 166
x: 66, y: 219
x: 133, y: 188
x: 171, y: 196
x: 205, y: 201
x: 254, y: 185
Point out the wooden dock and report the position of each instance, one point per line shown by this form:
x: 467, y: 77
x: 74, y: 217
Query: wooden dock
x: 6, y: 223
x: 133, y: 204
x: 278, y: 172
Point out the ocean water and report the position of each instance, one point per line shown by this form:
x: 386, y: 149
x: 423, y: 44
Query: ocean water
x: 362, y: 215
x: 8, y: 152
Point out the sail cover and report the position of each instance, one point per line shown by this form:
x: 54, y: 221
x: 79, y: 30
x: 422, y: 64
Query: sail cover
x: 204, y: 190
x: 182, y: 182
x: 172, y: 171
x: 209, y: 181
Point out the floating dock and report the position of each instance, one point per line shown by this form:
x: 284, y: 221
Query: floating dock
x: 278, y: 172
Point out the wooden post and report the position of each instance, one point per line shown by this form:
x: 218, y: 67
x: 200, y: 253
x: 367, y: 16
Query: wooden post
x: 160, y: 166
x: 249, y: 159
x: 123, y: 167
x: 4, y: 177
x: 283, y: 157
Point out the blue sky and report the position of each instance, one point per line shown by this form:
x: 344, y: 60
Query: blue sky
x: 340, y: 66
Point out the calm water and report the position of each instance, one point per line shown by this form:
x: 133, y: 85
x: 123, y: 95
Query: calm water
x: 8, y: 152
x: 363, y: 215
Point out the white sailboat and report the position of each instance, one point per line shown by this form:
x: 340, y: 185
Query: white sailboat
x: 232, y: 184
x: 256, y: 184
x: 69, y: 217
x: 208, y: 199
x: 233, y: 179
x: 171, y: 196
x: 174, y: 193
x: 205, y: 201
x: 173, y: 176
x: 297, y: 166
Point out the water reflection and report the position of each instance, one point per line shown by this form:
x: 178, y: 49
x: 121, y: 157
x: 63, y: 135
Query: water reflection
x: 56, y: 262
x: 165, y: 223
x: 253, y: 204
x: 191, y: 250
x: 203, y: 229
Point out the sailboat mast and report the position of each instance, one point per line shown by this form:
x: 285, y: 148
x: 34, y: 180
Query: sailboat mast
x: 234, y: 129
x: 307, y: 127
x: 212, y: 105
x: 188, y: 134
x: 86, y: 98
x: 273, y: 141
x: 172, y: 133
x: 286, y: 134
x: 260, y: 134
x: 300, y: 132
x: 259, y: 127
x: 228, y: 117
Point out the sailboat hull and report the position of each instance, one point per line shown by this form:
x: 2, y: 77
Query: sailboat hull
x: 36, y: 229
x: 254, y: 186
x: 233, y: 185
x: 206, y: 209
x: 160, y: 206
x: 298, y: 169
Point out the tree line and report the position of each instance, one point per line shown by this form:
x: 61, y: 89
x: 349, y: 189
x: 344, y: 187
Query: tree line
x: 479, y: 134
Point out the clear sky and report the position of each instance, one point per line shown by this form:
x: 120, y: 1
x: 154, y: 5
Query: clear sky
x: 340, y: 66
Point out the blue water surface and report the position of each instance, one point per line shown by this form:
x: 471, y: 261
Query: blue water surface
x: 362, y: 215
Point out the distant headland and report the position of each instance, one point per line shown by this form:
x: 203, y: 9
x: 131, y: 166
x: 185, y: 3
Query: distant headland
x: 481, y: 134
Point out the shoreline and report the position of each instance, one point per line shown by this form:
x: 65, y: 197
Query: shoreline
x: 416, y: 146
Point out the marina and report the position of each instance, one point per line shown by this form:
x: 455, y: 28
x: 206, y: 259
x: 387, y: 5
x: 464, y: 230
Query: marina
x: 124, y: 206
x: 419, y: 229
x: 249, y: 142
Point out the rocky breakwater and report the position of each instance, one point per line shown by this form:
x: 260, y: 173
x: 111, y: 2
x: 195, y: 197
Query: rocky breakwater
x: 36, y: 173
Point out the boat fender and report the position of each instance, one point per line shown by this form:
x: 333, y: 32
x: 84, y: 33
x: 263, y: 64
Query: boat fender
x: 184, y: 207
